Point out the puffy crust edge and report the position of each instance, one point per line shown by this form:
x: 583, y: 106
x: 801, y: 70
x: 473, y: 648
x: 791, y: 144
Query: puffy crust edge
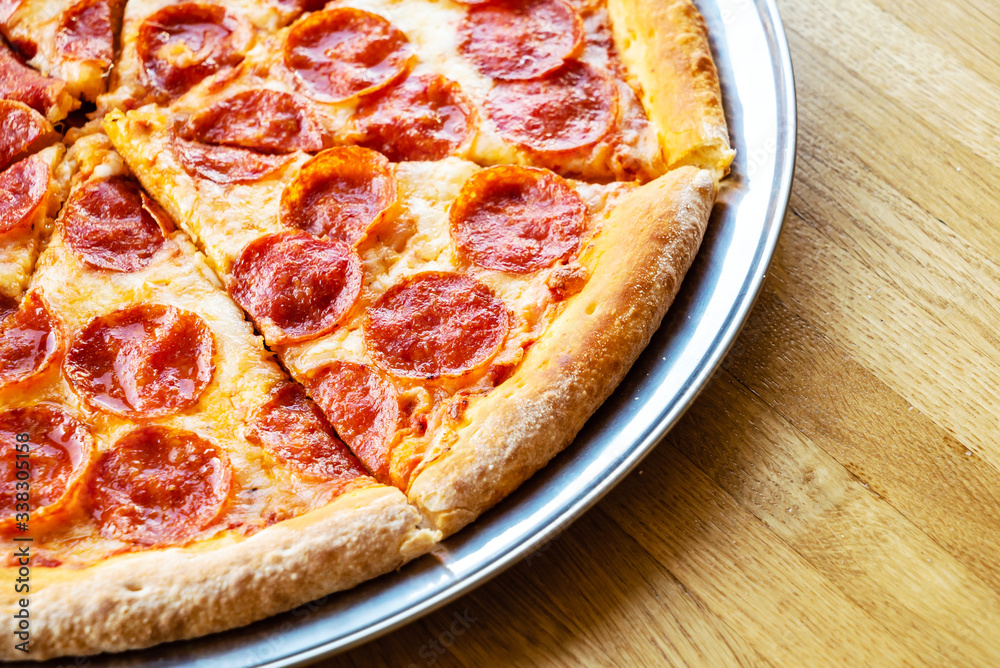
x: 144, y: 599
x: 638, y: 263
x: 665, y: 45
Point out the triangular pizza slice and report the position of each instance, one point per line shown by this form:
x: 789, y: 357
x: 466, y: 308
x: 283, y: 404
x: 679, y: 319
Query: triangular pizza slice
x: 178, y: 472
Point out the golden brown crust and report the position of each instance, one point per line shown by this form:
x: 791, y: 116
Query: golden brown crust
x: 638, y: 262
x: 144, y: 599
x: 664, y: 44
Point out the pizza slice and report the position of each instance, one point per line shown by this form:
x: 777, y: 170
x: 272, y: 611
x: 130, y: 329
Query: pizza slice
x: 29, y: 194
x: 178, y: 472
x: 69, y: 40
x: 536, y: 83
x: 665, y: 46
x: 414, y: 300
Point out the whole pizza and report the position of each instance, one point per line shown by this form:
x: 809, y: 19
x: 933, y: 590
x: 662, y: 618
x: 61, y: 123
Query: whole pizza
x: 290, y: 290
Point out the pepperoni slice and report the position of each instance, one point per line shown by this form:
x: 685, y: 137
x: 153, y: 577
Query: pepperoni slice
x: 520, y: 39
x: 340, y: 194
x: 85, y: 32
x: 58, y: 450
x: 571, y: 108
x: 292, y: 427
x: 21, y: 83
x: 226, y: 165
x: 517, y: 219
x: 159, y: 486
x: 363, y: 408
x: 20, y: 127
x: 263, y: 120
x: 424, y: 118
x: 435, y: 324
x: 108, y: 225
x: 29, y: 341
x: 296, y: 286
x: 23, y: 190
x: 340, y: 53
x: 142, y: 361
x: 182, y: 44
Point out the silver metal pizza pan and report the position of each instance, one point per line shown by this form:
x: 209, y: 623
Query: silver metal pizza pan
x: 756, y: 73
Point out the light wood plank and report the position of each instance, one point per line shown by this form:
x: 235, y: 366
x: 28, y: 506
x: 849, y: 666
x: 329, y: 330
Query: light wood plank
x: 908, y: 461
x: 767, y: 592
x: 613, y: 597
x: 847, y: 532
x: 920, y: 76
x: 966, y: 30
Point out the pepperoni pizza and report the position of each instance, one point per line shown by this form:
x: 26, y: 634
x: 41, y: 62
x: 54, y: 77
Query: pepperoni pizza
x: 157, y: 419
x: 327, y: 280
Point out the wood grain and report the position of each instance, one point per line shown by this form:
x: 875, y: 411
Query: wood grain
x: 833, y: 497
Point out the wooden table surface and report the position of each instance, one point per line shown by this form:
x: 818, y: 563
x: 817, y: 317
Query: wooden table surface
x: 833, y: 497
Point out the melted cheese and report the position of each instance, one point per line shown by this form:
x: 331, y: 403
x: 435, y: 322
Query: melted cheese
x: 434, y: 28
x: 127, y: 86
x: 412, y: 237
x: 263, y: 489
x: 630, y: 151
